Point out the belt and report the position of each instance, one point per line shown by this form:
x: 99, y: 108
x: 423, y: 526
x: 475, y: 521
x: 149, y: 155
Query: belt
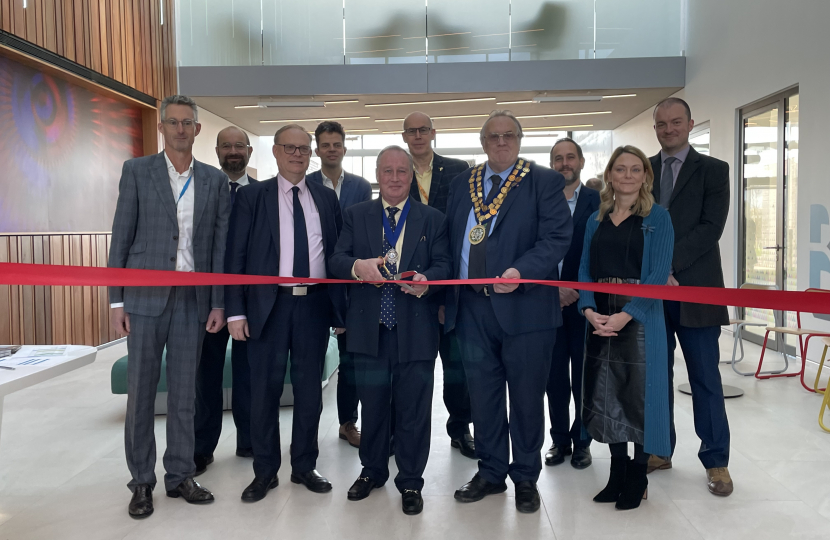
x: 484, y: 292
x: 629, y: 281
x: 301, y: 290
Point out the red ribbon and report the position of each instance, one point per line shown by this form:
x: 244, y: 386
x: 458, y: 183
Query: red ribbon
x: 55, y: 275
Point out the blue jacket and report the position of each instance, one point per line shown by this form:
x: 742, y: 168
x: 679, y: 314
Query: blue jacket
x: 657, y: 256
x: 355, y: 189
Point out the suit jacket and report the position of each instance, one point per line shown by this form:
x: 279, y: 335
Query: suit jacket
x: 698, y: 207
x: 532, y: 234
x: 253, y: 248
x: 444, y: 170
x: 355, y: 189
x: 425, y: 250
x: 586, y: 204
x: 145, y: 231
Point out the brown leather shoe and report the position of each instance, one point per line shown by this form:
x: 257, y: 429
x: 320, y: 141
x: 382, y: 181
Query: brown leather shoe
x: 349, y: 433
x: 720, y: 483
x: 656, y: 463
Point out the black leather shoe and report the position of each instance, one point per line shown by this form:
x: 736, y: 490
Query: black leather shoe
x: 361, y: 488
x: 556, y: 454
x: 527, y: 497
x: 259, y: 488
x: 466, y: 445
x: 141, y: 505
x: 312, y: 480
x: 192, y: 492
x: 411, y: 502
x: 478, y: 488
x: 202, y: 463
x: 582, y: 457
x: 245, y: 452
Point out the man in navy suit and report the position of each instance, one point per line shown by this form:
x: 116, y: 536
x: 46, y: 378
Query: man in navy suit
x: 431, y: 179
x: 284, y: 227
x: 350, y: 189
x: 566, y: 158
x: 233, y: 148
x: 506, y: 218
x: 392, y: 330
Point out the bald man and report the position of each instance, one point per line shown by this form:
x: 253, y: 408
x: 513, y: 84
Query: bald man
x: 233, y: 148
x: 431, y: 186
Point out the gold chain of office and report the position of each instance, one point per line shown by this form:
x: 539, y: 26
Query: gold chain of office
x: 486, y: 212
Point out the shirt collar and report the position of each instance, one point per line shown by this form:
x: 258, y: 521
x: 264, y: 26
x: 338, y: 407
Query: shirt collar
x: 285, y: 185
x: 576, y: 192
x: 680, y: 156
x: 399, y: 206
x: 429, y: 169
x: 488, y: 172
x: 339, y: 180
x: 171, y: 167
x: 241, y: 181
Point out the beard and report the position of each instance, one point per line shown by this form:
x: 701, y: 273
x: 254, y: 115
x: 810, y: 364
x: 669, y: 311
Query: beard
x: 234, y: 166
x: 570, y: 177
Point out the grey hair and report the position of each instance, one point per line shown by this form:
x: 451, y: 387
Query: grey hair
x: 395, y: 147
x: 496, y: 114
x: 286, y: 127
x: 178, y: 100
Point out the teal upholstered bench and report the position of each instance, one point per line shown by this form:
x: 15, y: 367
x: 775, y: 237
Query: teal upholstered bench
x: 118, y: 377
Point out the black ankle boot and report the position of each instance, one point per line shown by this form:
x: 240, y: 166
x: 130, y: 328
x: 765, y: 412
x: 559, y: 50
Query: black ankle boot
x: 635, y: 489
x: 619, y: 466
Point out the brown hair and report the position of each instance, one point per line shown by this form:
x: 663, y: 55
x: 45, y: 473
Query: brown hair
x: 645, y: 200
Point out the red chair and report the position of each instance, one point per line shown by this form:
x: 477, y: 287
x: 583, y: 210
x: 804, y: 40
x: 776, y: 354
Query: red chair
x: 803, y: 345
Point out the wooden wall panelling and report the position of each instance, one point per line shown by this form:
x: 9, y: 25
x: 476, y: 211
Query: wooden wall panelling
x: 90, y: 293
x: 102, y: 304
x: 49, y: 31
x: 58, y: 314
x: 5, y: 296
x: 57, y: 9
x: 27, y: 301
x: 129, y: 43
x: 18, y: 18
x: 47, y: 292
x: 39, y: 299
x: 6, y: 15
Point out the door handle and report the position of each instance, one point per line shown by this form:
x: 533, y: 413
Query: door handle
x: 776, y: 248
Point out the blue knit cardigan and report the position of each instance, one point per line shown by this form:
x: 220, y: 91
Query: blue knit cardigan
x: 658, y: 248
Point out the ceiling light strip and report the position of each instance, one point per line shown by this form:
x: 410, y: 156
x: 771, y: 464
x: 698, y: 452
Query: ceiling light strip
x: 429, y: 102
x: 563, y: 114
x: 313, y: 119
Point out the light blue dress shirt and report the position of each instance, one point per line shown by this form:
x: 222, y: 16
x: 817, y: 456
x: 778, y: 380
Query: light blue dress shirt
x: 572, y: 206
x: 472, y: 221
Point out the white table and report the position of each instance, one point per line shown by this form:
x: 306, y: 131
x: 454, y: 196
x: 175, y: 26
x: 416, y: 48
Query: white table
x: 76, y: 356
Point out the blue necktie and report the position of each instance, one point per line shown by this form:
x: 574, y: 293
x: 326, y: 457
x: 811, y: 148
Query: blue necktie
x: 301, y: 264
x: 234, y: 187
x: 666, y: 182
x: 387, y: 292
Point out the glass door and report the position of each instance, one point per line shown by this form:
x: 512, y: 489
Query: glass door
x: 769, y: 181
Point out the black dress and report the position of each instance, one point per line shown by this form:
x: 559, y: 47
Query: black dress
x: 614, y: 376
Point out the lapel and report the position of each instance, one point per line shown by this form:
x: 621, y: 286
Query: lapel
x: 272, y: 207
x: 201, y: 192
x: 437, y: 178
x: 322, y: 211
x: 161, y: 180
x: 411, y: 236
x: 511, y: 196
x: 689, y: 167
x: 374, y: 227
x: 581, y: 204
x: 345, y: 190
x: 461, y: 216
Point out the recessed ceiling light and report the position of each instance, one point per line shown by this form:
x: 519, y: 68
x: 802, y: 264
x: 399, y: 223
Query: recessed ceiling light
x: 565, y: 99
x: 272, y: 104
x: 514, y: 102
x: 558, y: 127
x: 313, y: 119
x: 438, y: 117
x: 247, y: 107
x: 343, y: 101
x: 619, y: 95
x: 428, y: 102
x: 359, y: 130
x: 564, y: 114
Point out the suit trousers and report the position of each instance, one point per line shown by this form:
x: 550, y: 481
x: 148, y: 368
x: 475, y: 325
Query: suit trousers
x: 380, y: 380
x: 209, y: 395
x: 566, y: 378
x: 299, y: 326
x: 179, y: 329
x: 702, y: 354
x: 456, y: 393
x: 492, y: 359
x: 346, y: 386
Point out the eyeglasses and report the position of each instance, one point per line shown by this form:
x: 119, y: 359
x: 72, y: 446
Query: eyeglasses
x: 422, y: 130
x: 238, y: 146
x: 173, y: 123
x: 494, y: 138
x: 292, y: 148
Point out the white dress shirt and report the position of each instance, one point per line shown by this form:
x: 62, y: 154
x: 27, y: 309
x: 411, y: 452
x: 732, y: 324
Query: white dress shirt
x: 329, y: 184
x: 572, y: 206
x: 242, y: 182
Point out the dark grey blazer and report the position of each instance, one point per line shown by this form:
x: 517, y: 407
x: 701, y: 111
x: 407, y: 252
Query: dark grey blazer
x: 698, y: 207
x: 145, y: 231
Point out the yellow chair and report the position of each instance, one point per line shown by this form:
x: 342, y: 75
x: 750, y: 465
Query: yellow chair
x: 825, y: 404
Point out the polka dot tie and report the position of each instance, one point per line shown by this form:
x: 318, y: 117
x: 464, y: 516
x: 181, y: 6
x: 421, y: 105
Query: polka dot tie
x: 387, y: 292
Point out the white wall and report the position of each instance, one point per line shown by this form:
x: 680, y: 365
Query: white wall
x: 204, y: 147
x: 741, y: 51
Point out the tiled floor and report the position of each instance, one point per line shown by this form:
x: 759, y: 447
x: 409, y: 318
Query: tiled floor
x: 63, y: 476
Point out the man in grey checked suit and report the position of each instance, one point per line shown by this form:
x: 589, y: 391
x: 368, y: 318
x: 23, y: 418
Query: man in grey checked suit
x: 172, y: 214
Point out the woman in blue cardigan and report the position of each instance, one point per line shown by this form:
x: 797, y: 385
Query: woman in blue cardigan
x: 625, y: 394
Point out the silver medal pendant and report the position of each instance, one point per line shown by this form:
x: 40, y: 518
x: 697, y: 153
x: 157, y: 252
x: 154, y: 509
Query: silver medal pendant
x: 392, y: 256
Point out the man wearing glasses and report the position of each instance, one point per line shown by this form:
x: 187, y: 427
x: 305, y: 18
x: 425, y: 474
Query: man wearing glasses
x: 285, y: 227
x: 431, y: 185
x: 233, y: 148
x: 506, y: 218
x: 172, y: 214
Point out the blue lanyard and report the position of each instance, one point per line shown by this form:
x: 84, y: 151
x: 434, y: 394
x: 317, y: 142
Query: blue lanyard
x: 186, y: 184
x: 392, y: 237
